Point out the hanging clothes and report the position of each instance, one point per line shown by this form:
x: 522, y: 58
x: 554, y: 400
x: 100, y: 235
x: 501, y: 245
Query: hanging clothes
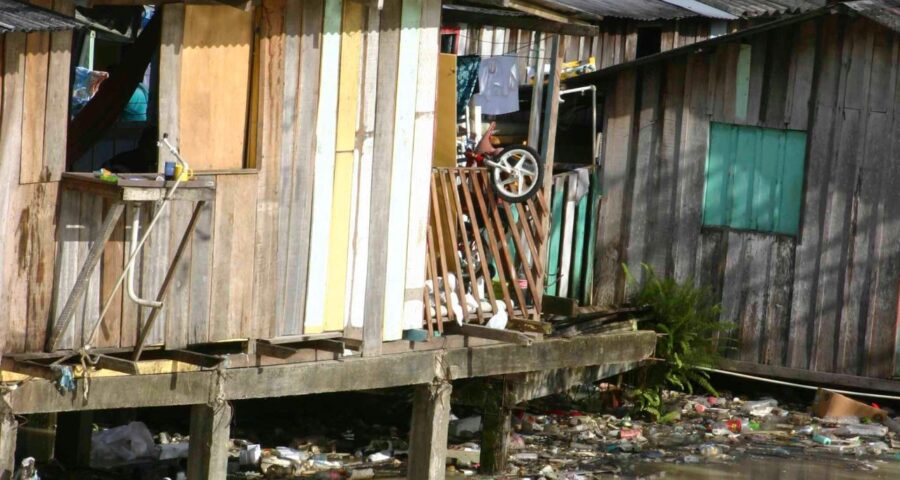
x: 466, y: 79
x: 498, y: 79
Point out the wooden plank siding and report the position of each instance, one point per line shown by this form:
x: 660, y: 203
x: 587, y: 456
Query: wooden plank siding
x: 339, y: 136
x: 824, y: 299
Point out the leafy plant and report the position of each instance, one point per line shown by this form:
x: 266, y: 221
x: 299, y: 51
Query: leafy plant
x: 687, y: 318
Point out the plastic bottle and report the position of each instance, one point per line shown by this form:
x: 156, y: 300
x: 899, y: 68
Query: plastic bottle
x: 821, y: 439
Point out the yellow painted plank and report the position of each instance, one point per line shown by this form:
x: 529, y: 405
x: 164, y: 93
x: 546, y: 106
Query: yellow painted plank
x: 345, y: 143
x: 445, y: 115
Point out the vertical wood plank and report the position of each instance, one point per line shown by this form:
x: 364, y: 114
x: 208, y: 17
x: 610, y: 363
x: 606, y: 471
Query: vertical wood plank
x: 617, y: 140
x: 131, y: 317
x: 363, y: 174
x: 662, y: 223
x: 155, y: 254
x: 169, y: 103
x: 386, y: 98
x: 201, y: 274
x: 178, y: 300
x: 642, y: 192
x: 345, y: 146
x: 37, y: 56
x: 692, y: 158
x: 422, y: 159
x: 304, y: 136
x: 293, y: 31
x: 57, y: 116
x: 401, y: 170
x: 271, y: 43
x: 323, y: 182
x: 114, y: 257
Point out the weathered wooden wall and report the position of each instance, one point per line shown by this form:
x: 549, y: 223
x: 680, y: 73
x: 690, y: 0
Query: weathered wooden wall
x: 334, y: 175
x: 825, y: 300
x: 616, y: 43
x: 35, y: 79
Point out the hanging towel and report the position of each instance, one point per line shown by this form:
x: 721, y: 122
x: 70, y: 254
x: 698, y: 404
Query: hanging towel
x: 498, y: 79
x: 466, y: 79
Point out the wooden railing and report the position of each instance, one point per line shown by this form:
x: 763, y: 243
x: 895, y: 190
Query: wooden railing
x: 483, y: 255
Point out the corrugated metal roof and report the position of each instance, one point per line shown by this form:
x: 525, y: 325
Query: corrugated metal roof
x: 884, y: 12
x: 20, y: 17
x: 635, y: 9
x: 761, y: 8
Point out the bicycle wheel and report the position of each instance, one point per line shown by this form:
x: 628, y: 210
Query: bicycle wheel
x: 519, y: 175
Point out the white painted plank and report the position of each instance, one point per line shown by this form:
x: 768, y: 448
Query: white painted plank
x: 359, y: 244
x: 326, y: 128
x: 423, y: 148
x: 398, y: 214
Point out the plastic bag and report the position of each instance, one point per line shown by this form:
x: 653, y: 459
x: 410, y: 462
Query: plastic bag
x: 121, y: 445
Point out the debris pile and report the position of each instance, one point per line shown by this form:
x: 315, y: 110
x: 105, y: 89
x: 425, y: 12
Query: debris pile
x: 567, y: 444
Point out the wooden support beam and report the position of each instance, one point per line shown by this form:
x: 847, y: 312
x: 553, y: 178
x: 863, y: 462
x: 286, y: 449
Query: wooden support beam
x: 528, y: 386
x: 428, y: 433
x: 496, y: 420
x: 548, y: 133
x: 8, y: 430
x: 118, y: 364
x: 271, y: 350
x: 26, y: 367
x: 194, y: 358
x: 304, y: 338
x: 355, y: 373
x: 73, y: 438
x: 479, y: 331
x: 537, y: 92
x: 209, y: 439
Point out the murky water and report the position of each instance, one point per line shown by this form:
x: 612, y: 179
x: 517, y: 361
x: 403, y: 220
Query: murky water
x: 774, y: 469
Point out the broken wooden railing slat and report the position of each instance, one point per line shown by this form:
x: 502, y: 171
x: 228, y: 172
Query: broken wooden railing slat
x: 509, y: 336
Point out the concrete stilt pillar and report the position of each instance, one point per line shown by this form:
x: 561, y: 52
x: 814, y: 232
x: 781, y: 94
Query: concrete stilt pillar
x: 8, y: 429
x: 428, y: 435
x: 210, y: 434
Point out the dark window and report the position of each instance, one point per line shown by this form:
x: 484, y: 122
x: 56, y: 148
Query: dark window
x: 649, y: 41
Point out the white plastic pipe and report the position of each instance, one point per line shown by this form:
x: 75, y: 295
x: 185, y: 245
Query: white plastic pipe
x: 135, y: 226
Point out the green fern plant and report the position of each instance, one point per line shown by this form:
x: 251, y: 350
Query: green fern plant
x: 687, y: 317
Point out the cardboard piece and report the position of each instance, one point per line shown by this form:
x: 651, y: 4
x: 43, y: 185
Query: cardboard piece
x: 833, y: 404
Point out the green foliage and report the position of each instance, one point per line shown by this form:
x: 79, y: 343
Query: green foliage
x: 687, y: 318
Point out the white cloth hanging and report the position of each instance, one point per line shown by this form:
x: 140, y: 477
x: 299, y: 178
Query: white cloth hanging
x: 498, y: 78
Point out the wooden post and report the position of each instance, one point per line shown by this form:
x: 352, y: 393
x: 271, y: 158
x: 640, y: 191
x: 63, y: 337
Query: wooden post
x: 428, y: 434
x: 8, y: 428
x: 537, y: 90
x: 548, y: 134
x: 73, y: 438
x: 495, y: 428
x: 210, y: 432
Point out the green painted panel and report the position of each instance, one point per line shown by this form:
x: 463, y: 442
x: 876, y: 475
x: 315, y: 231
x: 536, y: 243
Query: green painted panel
x: 767, y: 178
x: 742, y: 172
x: 792, y: 183
x: 714, y: 199
x: 576, y: 277
x: 593, y: 217
x: 556, y: 220
x: 754, y: 178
